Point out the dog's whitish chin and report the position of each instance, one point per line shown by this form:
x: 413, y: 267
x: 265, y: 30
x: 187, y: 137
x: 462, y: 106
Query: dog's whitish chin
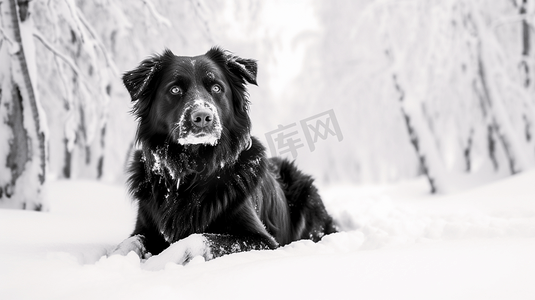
x: 202, y: 138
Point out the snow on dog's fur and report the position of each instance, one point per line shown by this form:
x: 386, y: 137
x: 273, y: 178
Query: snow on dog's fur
x: 203, y: 184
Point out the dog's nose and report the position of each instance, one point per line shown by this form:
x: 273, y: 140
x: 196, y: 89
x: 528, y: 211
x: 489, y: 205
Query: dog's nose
x: 202, y: 117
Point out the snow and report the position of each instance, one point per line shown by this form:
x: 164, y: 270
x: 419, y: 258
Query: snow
x: 399, y: 243
x: 178, y: 253
x: 187, y: 137
x: 203, y: 138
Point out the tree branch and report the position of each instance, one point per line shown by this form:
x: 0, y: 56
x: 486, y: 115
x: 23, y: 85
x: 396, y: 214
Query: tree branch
x: 111, y: 65
x: 6, y: 37
x: 161, y: 19
x: 66, y: 59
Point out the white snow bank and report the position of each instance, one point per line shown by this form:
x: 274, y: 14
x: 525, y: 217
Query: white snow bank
x: 406, y: 214
x: 400, y: 243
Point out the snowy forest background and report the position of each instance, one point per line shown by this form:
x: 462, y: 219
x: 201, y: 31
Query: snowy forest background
x: 440, y: 88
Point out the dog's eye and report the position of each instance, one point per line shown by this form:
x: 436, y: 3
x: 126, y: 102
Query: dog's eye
x: 216, y: 88
x: 175, y: 90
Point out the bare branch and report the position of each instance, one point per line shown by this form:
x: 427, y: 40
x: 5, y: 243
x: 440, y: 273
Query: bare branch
x: 66, y: 59
x: 73, y: 13
x: 161, y: 19
x: 111, y: 65
x: 5, y: 35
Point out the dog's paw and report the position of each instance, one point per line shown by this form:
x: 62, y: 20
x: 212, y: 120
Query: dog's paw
x: 180, y: 252
x: 133, y: 243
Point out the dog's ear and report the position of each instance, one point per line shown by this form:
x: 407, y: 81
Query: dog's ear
x: 139, y: 80
x: 246, y: 68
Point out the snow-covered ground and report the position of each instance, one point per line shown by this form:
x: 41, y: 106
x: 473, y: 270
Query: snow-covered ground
x: 399, y: 243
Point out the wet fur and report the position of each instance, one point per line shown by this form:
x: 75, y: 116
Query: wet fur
x: 231, y: 193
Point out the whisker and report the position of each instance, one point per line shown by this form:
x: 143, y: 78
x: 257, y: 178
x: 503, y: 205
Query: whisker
x: 172, y: 132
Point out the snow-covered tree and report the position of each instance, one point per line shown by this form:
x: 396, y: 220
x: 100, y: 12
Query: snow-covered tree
x: 461, y: 88
x: 438, y: 88
x: 61, y: 62
x: 23, y: 127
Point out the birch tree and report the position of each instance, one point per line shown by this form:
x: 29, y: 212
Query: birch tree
x: 23, y: 130
x: 466, y: 103
x: 59, y: 60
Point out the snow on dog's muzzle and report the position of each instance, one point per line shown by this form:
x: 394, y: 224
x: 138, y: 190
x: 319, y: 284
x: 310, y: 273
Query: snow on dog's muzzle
x: 199, y: 124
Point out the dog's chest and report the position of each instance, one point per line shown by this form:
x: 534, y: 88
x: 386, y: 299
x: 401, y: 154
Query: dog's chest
x: 178, y: 213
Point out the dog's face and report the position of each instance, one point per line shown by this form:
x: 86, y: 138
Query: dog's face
x: 191, y: 100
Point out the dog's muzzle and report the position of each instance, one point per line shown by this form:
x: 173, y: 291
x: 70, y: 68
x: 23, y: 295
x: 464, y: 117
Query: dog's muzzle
x: 199, y: 124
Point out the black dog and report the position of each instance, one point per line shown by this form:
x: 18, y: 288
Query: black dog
x: 199, y: 173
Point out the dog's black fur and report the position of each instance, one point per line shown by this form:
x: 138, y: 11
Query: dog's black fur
x: 206, y: 175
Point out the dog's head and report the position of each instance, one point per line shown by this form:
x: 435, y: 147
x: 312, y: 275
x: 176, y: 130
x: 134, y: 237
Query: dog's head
x: 192, y: 100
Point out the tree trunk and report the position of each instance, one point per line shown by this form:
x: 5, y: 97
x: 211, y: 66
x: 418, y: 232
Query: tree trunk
x: 518, y: 157
x: 526, y: 45
x: 23, y: 161
x: 423, y: 141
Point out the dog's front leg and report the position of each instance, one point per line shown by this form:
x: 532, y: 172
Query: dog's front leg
x: 134, y: 243
x: 206, y: 245
x: 223, y: 244
x: 180, y: 252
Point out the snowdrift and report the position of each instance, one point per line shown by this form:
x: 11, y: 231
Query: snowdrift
x: 397, y: 242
